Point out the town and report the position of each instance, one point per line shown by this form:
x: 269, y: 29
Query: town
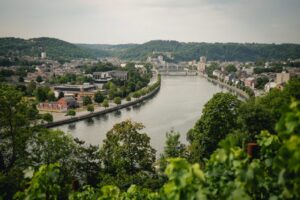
x: 88, y: 84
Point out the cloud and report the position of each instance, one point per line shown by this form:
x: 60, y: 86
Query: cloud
x: 123, y: 21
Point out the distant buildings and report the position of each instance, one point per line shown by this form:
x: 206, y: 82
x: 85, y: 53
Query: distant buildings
x: 103, y: 77
x: 202, y: 63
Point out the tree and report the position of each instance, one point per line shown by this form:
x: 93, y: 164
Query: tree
x: 51, y: 96
x: 39, y: 79
x: 254, y: 117
x: 230, y: 68
x: 292, y: 89
x: 87, y: 100
x: 61, y: 95
x: 128, y: 98
x: 90, y: 108
x: 219, y: 117
x: 127, y: 152
x: 21, y: 79
x: 15, y: 128
x: 105, y: 103
x: 41, y: 93
x: 261, y: 82
x: 43, y: 185
x: 137, y: 94
x: 47, y: 117
x: 31, y: 88
x: 71, y: 112
x: 173, y: 148
x: 98, y: 97
x: 117, y: 100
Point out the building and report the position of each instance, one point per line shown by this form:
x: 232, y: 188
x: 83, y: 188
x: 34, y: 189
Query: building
x: 248, y: 70
x: 43, y: 55
x: 62, y: 105
x: 76, y: 91
x: 101, y: 77
x: 69, y: 102
x: 282, y: 78
x: 269, y: 86
x: 52, y: 107
x: 250, y: 82
x: 121, y: 75
x: 202, y: 63
x: 141, y: 69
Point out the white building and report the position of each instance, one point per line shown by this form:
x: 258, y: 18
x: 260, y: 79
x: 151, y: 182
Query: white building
x: 43, y: 55
x: 269, y: 86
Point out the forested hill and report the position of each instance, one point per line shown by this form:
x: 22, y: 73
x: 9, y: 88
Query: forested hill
x: 55, y: 48
x: 215, y: 51
x: 181, y: 51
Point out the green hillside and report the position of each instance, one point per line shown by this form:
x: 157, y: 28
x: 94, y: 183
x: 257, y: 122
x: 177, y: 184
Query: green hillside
x: 55, y: 48
x: 181, y: 51
x: 215, y: 51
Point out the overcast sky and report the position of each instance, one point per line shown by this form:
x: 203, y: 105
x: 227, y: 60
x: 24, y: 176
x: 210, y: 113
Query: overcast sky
x: 138, y: 21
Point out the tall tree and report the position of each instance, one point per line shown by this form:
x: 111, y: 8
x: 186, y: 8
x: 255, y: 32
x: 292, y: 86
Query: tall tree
x: 126, y: 153
x: 219, y: 117
x: 14, y: 126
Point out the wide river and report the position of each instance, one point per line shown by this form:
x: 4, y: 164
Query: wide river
x: 176, y: 106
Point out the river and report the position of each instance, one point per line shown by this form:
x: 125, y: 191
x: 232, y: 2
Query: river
x: 176, y: 106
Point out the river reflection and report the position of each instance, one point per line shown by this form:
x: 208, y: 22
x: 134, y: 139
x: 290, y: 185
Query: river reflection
x: 177, y: 106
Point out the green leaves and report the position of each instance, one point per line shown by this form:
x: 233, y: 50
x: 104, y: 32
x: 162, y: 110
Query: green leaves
x: 43, y: 185
x: 127, y: 153
x: 184, y: 180
x: 219, y: 118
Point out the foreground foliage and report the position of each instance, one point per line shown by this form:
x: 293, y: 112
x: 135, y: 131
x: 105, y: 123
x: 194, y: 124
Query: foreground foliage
x: 228, y: 174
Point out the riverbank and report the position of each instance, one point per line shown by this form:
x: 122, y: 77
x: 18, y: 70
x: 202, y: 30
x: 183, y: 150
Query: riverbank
x: 101, y: 111
x: 233, y: 89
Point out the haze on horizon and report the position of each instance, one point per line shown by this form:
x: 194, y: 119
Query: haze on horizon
x: 138, y: 21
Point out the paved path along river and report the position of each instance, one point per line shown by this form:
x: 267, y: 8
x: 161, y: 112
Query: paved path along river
x: 177, y: 106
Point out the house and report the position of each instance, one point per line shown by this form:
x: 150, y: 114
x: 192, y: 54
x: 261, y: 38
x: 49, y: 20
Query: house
x: 248, y: 70
x: 269, y: 86
x: 69, y: 102
x: 250, y: 82
x: 229, y: 78
x: 60, y: 106
x: 121, y: 75
x: 216, y: 73
x: 101, y: 77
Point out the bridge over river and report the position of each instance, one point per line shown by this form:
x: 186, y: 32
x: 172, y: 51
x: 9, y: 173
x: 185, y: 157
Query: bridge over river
x: 176, y: 106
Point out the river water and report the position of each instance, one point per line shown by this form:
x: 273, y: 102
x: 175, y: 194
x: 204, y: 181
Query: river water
x: 176, y: 106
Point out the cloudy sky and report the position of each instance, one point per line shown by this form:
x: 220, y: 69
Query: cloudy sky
x: 138, y: 21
